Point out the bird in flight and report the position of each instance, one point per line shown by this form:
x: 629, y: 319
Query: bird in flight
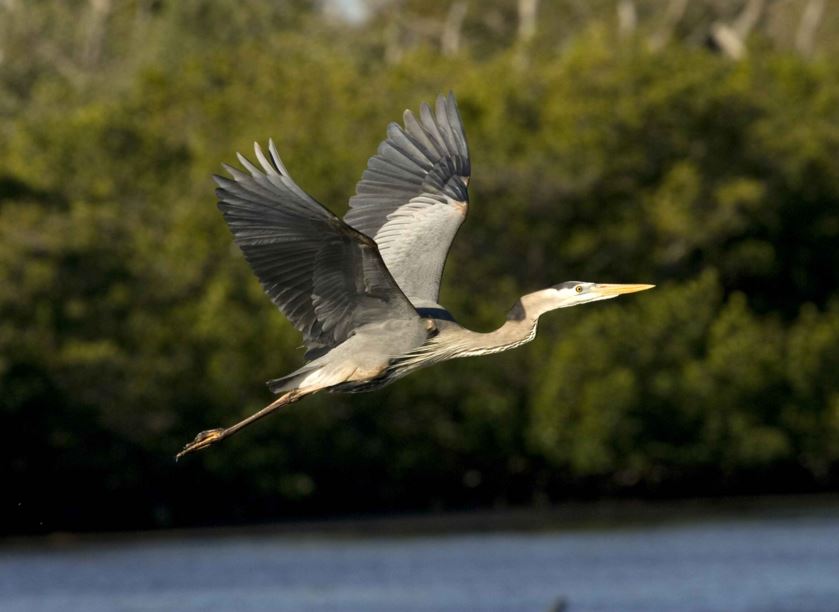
x: 364, y: 290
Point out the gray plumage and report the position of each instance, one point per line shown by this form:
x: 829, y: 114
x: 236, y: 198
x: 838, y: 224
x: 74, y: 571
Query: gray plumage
x: 364, y: 291
x: 413, y: 197
x: 327, y: 278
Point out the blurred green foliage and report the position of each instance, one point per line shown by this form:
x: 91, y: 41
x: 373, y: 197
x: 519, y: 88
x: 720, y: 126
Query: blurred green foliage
x: 129, y: 321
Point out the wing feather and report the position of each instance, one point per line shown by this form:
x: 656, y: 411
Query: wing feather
x: 326, y: 277
x: 412, y: 197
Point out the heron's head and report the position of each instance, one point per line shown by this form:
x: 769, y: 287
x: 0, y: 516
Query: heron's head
x: 573, y: 293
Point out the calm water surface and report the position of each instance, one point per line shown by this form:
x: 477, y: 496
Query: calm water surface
x: 772, y: 564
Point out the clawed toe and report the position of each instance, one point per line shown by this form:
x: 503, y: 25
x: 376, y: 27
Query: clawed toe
x: 202, y: 440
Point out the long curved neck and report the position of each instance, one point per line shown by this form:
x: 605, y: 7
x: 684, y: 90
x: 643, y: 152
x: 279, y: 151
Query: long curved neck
x: 453, y: 341
x: 518, y: 329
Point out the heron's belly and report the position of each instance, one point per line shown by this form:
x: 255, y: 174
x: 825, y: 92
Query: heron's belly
x: 363, y: 361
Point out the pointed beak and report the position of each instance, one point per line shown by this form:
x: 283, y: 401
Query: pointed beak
x: 615, y: 290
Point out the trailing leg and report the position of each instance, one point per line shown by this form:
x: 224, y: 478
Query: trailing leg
x: 211, y: 436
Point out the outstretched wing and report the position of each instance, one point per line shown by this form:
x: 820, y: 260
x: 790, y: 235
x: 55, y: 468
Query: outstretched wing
x: 325, y: 276
x: 412, y: 197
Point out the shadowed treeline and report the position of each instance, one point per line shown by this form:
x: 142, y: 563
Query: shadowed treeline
x: 613, y: 144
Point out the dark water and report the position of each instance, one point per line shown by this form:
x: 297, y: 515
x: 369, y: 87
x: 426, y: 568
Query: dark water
x: 772, y: 564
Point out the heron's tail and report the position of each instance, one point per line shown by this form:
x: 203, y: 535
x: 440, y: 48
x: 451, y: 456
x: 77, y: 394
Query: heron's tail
x: 290, y: 381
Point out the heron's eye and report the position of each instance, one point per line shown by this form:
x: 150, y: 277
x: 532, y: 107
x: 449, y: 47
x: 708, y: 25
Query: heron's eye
x: 578, y: 288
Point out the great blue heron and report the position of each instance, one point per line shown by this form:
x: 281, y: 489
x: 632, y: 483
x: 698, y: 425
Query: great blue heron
x: 363, y: 291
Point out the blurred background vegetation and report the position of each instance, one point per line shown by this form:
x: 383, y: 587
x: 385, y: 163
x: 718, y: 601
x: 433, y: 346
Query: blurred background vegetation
x: 690, y: 144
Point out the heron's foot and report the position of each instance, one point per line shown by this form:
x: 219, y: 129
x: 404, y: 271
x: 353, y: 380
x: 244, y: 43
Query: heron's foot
x: 202, y: 440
